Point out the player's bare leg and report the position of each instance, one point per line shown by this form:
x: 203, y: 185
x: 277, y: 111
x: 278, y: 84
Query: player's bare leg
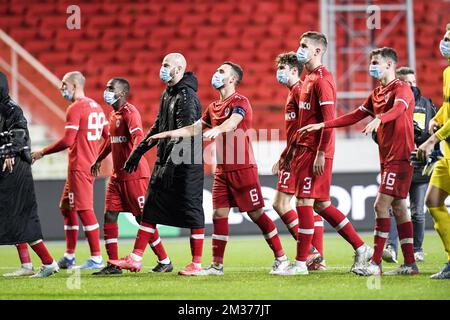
x: 435, y: 202
x: 344, y: 227
x: 405, y: 234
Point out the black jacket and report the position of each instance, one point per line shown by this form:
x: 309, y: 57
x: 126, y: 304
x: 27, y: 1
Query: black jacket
x: 424, y: 108
x: 175, y: 195
x: 19, y: 221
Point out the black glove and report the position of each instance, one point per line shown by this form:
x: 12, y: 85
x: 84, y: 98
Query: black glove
x: 374, y: 137
x: 418, y: 132
x: 415, y: 162
x: 432, y: 159
x: 132, y: 162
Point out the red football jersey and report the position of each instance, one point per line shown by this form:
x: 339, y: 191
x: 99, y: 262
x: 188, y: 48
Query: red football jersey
x: 233, y: 150
x: 395, y: 138
x: 125, y: 133
x: 87, y: 118
x: 292, y: 111
x: 317, y: 93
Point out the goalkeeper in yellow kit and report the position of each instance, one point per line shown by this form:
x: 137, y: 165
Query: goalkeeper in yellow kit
x: 439, y: 187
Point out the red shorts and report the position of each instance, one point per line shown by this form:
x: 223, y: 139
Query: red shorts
x: 307, y: 184
x: 396, y: 179
x: 78, y: 191
x: 286, y: 181
x: 239, y: 188
x: 126, y: 196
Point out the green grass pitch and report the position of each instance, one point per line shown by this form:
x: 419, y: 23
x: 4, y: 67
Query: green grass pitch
x: 247, y: 264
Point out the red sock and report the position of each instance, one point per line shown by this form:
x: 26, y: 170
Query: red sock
x: 342, y: 225
x: 42, y: 252
x: 382, y: 226
x: 91, y: 230
x: 219, y: 239
x: 405, y: 234
x: 144, y: 235
x: 197, y: 236
x: 290, y: 219
x: 24, y: 255
x: 305, y: 232
x: 111, y: 235
x: 317, y: 239
x: 270, y: 232
x: 157, y: 245
x: 70, y: 229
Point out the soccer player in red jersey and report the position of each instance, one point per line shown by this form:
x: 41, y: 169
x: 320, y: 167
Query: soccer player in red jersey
x: 289, y: 70
x: 392, y: 106
x: 236, y: 181
x: 314, y: 159
x: 85, y: 125
x: 125, y: 192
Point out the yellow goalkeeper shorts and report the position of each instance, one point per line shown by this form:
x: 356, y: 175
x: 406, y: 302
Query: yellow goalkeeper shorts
x: 440, y: 177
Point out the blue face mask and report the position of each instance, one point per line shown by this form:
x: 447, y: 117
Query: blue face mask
x: 217, y: 80
x: 164, y: 74
x: 444, y: 46
x: 302, y: 55
x: 282, y: 76
x: 109, y: 98
x: 375, y: 71
x: 67, y: 95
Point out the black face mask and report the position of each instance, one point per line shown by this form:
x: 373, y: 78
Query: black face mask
x: 4, y: 89
x: 415, y: 91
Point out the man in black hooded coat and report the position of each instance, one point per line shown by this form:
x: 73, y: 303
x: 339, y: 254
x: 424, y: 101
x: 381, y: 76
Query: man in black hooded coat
x: 19, y: 221
x: 175, y: 192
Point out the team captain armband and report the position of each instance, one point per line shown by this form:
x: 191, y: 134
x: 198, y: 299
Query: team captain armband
x: 239, y: 110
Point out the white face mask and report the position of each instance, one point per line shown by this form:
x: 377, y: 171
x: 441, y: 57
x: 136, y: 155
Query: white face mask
x: 109, y: 98
x: 444, y: 47
x: 302, y: 55
x: 282, y: 76
x: 217, y: 80
x: 375, y: 71
x: 164, y: 74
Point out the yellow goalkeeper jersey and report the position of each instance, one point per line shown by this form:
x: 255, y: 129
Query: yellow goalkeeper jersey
x: 443, y: 115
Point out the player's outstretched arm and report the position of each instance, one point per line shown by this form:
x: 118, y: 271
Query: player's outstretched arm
x: 62, y: 144
x: 311, y: 127
x: 188, y: 131
x: 427, y: 147
x: 228, y: 125
x: 443, y: 132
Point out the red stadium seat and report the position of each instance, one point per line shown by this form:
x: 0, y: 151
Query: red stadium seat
x: 52, y: 59
x: 131, y: 38
x: 23, y: 34
x: 146, y: 21
x: 43, y: 9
